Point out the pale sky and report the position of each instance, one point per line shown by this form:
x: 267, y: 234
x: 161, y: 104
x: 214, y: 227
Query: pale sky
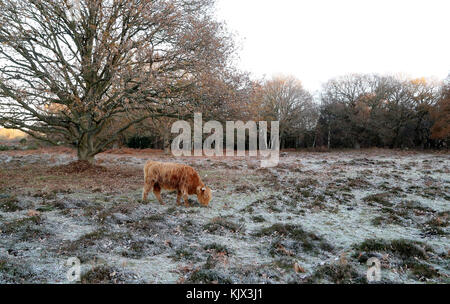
x: 315, y: 40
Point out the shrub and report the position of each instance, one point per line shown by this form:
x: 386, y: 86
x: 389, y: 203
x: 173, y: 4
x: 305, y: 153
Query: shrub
x: 140, y: 142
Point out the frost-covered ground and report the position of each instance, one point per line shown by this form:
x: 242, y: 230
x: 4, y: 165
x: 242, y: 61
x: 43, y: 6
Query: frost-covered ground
x: 317, y: 217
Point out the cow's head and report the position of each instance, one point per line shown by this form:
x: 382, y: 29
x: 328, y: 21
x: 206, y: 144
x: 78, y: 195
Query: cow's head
x: 204, y: 195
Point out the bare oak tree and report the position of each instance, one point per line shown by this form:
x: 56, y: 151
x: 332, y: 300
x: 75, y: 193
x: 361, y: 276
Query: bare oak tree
x: 441, y: 114
x: 285, y: 100
x: 82, y: 75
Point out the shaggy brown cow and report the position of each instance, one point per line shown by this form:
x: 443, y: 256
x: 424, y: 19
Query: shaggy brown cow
x: 170, y: 176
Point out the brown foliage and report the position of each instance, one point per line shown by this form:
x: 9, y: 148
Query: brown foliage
x: 441, y: 115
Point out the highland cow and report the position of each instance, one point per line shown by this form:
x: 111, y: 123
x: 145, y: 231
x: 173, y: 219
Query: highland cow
x: 176, y: 177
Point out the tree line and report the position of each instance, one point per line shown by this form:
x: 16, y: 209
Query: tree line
x: 383, y: 111
x: 351, y: 111
x: 122, y: 71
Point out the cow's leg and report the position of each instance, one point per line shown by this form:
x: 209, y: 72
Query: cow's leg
x: 157, y: 192
x: 147, y: 188
x: 185, y: 198
x: 179, y: 198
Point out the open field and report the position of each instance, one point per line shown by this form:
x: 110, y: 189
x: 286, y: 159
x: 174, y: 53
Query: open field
x: 317, y: 217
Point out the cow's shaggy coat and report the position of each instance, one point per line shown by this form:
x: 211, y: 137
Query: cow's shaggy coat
x: 171, y: 176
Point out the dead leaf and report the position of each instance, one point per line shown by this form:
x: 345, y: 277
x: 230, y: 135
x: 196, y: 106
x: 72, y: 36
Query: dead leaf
x: 299, y: 268
x: 284, y: 250
x: 343, y: 259
x: 32, y: 213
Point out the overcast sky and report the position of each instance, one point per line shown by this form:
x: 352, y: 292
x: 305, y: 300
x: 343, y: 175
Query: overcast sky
x: 315, y: 40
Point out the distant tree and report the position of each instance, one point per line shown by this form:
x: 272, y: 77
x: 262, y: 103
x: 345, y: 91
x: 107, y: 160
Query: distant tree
x: 373, y: 110
x: 345, y: 106
x: 441, y: 115
x: 424, y: 94
x: 83, y: 76
x: 285, y: 100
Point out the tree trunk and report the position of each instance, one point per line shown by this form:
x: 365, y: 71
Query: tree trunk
x: 86, y: 155
x: 86, y: 149
x: 329, y: 137
x: 315, y: 138
x: 166, y: 144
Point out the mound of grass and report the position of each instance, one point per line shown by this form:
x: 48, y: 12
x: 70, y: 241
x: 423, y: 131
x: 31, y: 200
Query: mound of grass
x: 101, y: 275
x: 295, y: 232
x: 258, y: 219
x: 307, y: 182
x: 338, y: 274
x: 412, y: 255
x: 242, y: 188
x: 415, y: 206
x: 381, y: 220
x: 390, y: 217
x: 21, y: 224
x: 148, y: 223
x: 357, y: 183
x: 435, y: 224
x: 172, y: 210
x: 137, y: 250
x: 46, y: 208
x: 219, y: 223
x: 440, y: 220
x: 11, y: 272
x: 26, y: 229
x: 402, y: 248
x: 380, y: 198
x: 302, y: 240
x: 219, y: 248
x: 423, y: 271
x: 285, y: 263
x: 84, y: 241
x: 95, y: 210
x: 124, y: 208
x: 183, y: 254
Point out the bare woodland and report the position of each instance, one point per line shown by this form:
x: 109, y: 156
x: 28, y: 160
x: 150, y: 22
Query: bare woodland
x: 117, y: 69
